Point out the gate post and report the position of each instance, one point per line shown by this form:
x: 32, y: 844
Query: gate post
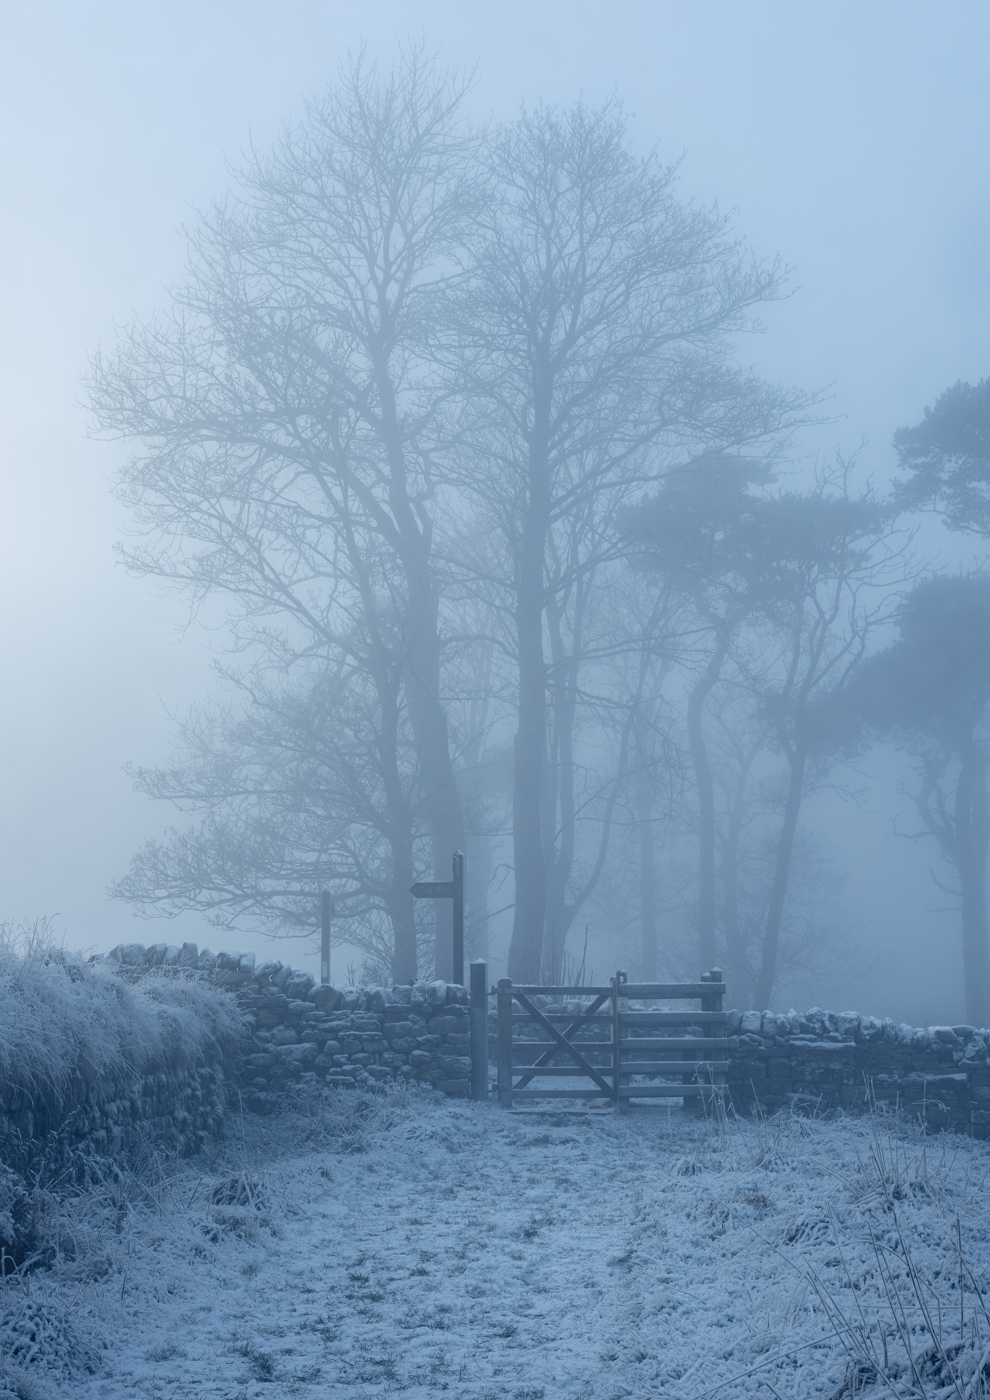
x: 715, y: 1004
x: 623, y: 1105
x: 503, y: 1003
x: 711, y: 1003
x: 479, y: 1030
x: 457, y: 886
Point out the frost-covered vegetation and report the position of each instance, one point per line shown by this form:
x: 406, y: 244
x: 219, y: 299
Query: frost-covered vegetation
x: 95, y: 1074
x: 63, y: 1019
x: 366, y: 1245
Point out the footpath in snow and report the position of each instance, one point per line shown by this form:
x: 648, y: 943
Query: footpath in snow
x: 377, y: 1245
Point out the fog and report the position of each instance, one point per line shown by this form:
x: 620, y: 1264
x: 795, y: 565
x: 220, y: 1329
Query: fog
x: 851, y: 140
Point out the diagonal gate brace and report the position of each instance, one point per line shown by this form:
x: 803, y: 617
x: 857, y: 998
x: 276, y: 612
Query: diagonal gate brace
x: 572, y: 1029
x: 562, y: 1041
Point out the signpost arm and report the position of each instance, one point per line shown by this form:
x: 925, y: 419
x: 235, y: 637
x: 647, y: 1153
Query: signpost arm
x: 325, y: 910
x: 458, y: 883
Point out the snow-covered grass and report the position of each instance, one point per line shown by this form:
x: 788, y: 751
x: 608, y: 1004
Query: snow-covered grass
x: 365, y: 1246
x: 62, y: 1019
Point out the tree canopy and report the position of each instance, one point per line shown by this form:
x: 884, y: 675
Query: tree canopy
x: 948, y: 457
x: 934, y: 681
x: 930, y: 692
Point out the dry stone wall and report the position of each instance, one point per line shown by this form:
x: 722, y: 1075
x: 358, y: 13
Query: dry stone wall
x: 87, y: 1064
x: 297, y: 1031
x: 823, y: 1060
x: 182, y: 1109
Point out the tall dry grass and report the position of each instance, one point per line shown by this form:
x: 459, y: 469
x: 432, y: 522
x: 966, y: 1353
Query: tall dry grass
x: 62, y: 1018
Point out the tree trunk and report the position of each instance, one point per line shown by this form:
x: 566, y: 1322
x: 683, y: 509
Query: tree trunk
x: 529, y: 757
x: 529, y: 747
x: 559, y: 810
x: 706, y: 806
x: 972, y: 823
x: 647, y: 872
x: 739, y: 977
x: 473, y: 778
x: 441, y: 802
x: 781, y: 874
x: 479, y: 864
x: 402, y: 913
x: 398, y: 900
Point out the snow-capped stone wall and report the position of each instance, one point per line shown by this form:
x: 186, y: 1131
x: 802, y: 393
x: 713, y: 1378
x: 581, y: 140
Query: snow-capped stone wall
x: 351, y: 1036
x: 354, y: 1037
x: 822, y: 1060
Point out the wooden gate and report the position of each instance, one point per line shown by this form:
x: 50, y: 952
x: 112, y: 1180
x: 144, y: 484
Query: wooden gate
x: 621, y: 1051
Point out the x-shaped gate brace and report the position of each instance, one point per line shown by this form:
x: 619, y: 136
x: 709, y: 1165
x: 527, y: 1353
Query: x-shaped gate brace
x: 562, y: 1040
x: 627, y: 1043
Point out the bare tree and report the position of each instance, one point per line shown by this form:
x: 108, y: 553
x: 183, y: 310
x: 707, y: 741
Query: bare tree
x: 782, y: 591
x: 740, y: 741
x: 290, y: 410
x: 597, y: 325
x: 294, y: 789
x: 632, y: 678
x: 656, y: 782
x: 694, y: 534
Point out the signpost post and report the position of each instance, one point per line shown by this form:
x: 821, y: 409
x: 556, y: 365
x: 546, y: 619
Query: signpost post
x: 449, y: 889
x: 458, y: 882
x: 326, y: 910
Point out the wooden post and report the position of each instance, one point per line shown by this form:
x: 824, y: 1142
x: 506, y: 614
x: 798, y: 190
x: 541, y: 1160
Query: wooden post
x: 615, y: 1027
x: 326, y: 909
x: 458, y: 883
x: 479, y: 1030
x: 454, y: 890
x: 693, y: 1078
x: 715, y: 1004
x: 503, y: 1003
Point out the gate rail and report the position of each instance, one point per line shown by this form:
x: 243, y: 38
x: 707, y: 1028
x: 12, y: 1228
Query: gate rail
x: 629, y: 1051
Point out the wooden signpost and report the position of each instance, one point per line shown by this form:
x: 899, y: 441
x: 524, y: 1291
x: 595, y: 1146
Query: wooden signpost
x: 326, y: 911
x: 449, y: 889
x: 326, y: 914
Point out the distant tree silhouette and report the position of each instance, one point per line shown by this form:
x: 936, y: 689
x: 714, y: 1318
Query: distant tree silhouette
x: 785, y: 590
x: 930, y: 693
x: 948, y: 456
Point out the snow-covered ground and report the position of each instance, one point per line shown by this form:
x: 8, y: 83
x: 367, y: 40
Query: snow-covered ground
x: 366, y: 1247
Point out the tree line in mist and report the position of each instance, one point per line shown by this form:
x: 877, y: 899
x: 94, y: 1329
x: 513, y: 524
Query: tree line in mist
x: 513, y: 558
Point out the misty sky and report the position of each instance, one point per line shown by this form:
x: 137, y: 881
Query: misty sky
x: 850, y: 138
